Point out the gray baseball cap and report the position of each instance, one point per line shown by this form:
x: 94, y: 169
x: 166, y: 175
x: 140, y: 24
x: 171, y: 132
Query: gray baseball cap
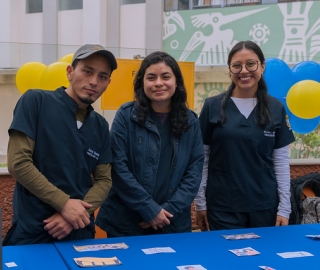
x: 88, y: 49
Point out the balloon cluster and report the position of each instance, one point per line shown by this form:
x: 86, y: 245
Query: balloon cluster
x: 36, y: 75
x: 298, y: 89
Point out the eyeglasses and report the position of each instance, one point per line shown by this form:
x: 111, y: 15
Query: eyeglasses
x: 236, y: 67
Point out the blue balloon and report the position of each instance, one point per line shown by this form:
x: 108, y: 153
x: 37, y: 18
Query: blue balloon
x: 278, y: 77
x: 284, y: 102
x: 303, y: 126
x: 306, y: 70
x: 300, y: 125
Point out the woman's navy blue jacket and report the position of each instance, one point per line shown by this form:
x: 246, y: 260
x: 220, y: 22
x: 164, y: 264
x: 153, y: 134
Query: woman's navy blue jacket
x: 136, y: 152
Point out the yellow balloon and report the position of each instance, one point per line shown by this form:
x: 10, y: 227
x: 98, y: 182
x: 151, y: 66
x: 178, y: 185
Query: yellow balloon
x: 28, y: 76
x: 303, y: 99
x: 54, y: 76
x: 67, y: 58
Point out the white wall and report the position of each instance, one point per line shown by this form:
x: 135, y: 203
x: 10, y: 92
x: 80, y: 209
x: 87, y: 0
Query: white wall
x: 4, y: 19
x: 5, y: 33
x: 9, y: 96
x: 70, y: 27
x: 132, y: 30
x: 21, y: 34
x: 94, y: 22
x: 31, y: 28
x: 30, y: 38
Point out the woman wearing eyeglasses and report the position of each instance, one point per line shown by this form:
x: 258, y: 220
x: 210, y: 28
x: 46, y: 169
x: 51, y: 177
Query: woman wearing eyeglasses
x: 246, y: 176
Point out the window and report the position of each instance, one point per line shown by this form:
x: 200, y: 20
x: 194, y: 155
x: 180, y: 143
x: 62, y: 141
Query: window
x: 171, y: 5
x: 70, y: 4
x: 174, y: 5
x: 33, y: 6
x: 129, y: 2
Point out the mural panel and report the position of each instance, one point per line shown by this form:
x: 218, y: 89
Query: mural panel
x: 288, y: 31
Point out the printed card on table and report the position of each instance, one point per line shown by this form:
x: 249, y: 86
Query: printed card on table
x: 191, y: 267
x: 248, y: 251
x: 267, y: 268
x: 295, y: 254
x: 241, y: 236
x: 313, y: 236
x: 100, y: 247
x: 158, y: 250
x: 94, y: 262
x: 10, y: 264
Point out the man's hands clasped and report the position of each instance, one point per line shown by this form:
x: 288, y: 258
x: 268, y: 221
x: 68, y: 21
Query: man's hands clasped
x: 73, y: 215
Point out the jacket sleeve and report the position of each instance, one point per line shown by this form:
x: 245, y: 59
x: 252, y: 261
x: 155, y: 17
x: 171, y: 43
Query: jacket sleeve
x: 21, y: 167
x: 200, y: 200
x: 134, y: 196
x: 99, y: 191
x: 281, y: 163
x: 190, y: 181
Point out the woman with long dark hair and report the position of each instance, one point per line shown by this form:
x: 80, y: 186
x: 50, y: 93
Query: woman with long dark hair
x: 157, y: 155
x: 246, y: 176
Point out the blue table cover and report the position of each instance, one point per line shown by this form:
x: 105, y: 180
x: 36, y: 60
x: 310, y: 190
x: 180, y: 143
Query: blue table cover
x: 32, y: 257
x: 208, y: 249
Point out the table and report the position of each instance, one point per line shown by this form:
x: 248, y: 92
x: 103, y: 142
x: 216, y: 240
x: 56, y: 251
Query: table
x: 208, y: 249
x: 32, y: 257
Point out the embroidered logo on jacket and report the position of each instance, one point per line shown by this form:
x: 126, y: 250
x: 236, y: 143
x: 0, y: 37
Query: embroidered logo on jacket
x: 269, y: 133
x: 93, y: 154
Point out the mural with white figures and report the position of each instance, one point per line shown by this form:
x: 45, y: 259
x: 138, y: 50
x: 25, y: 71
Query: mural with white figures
x: 288, y: 31
x: 214, y: 50
x: 301, y: 35
x: 289, y: 36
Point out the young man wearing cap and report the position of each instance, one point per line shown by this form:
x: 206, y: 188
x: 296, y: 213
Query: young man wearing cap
x: 59, y: 153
